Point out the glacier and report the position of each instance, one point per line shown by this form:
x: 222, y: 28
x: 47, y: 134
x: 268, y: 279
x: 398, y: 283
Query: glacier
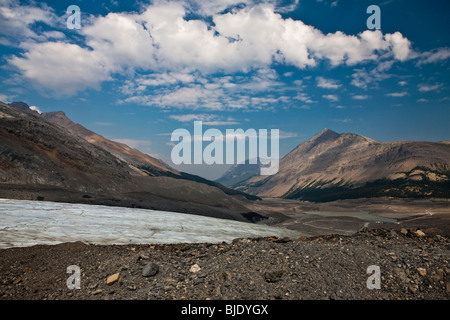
x: 26, y: 223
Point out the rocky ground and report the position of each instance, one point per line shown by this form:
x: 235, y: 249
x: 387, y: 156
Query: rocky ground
x: 413, y: 265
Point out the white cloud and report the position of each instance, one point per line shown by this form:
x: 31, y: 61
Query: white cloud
x: 220, y: 123
x: 327, y: 83
x: 304, y: 98
x: 61, y: 67
x: 207, y: 92
x: 192, y: 117
x: 5, y: 98
x: 429, y: 87
x: 363, y: 78
x: 331, y: 97
x: 397, y: 94
x: 121, y: 40
x: 400, y: 46
x: 207, y: 119
x: 16, y: 21
x: 434, y: 56
x: 162, y: 40
x: 34, y: 108
x: 331, y: 3
x: 360, y: 97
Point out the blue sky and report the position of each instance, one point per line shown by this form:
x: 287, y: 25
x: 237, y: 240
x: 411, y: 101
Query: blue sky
x: 135, y: 72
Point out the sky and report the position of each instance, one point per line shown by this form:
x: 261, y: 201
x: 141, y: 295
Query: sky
x: 136, y: 71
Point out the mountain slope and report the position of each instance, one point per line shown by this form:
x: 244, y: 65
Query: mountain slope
x: 135, y: 158
x: 334, y: 166
x: 120, y: 150
x: 239, y: 173
x: 41, y: 160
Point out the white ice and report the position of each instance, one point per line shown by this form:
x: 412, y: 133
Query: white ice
x: 26, y: 223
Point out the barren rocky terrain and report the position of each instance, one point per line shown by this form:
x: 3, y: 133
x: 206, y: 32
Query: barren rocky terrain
x: 413, y: 265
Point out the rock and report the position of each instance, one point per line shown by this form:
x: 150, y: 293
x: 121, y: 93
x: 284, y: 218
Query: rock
x: 404, y: 231
x: 150, y: 270
x: 273, y: 276
x: 112, y: 279
x: 420, y: 233
x: 168, y: 288
x: 142, y: 257
x: 198, y: 281
x: 439, y: 275
x: 26, y: 270
x: 283, y: 240
x: 97, y: 292
x: 195, y: 268
x: 422, y: 272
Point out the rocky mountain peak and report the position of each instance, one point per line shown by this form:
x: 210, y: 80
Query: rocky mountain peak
x: 24, y: 107
x: 325, y: 135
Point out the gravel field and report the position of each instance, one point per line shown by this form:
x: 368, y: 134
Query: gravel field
x: 413, y: 265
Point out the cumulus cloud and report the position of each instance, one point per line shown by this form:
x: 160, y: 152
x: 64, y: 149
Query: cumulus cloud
x: 162, y: 40
x: 62, y: 67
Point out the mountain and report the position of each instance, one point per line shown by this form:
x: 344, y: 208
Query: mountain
x: 120, y: 150
x: 239, y: 172
x: 333, y: 166
x: 24, y: 107
x: 135, y: 158
x: 42, y: 160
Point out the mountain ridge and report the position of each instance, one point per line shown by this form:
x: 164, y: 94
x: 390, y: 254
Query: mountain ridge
x: 350, y: 162
x: 120, y: 150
